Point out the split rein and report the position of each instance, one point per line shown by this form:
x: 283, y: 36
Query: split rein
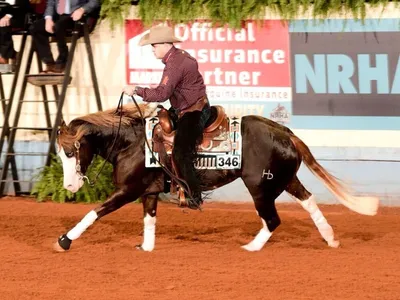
x: 77, y: 145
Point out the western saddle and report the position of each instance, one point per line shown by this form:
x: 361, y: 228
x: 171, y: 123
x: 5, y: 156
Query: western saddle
x: 215, y: 136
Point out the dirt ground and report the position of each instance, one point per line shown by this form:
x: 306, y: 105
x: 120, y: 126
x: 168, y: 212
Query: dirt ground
x: 197, y: 255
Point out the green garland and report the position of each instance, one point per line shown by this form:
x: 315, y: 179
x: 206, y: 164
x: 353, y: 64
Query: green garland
x: 233, y: 12
x: 115, y: 11
x: 49, y: 183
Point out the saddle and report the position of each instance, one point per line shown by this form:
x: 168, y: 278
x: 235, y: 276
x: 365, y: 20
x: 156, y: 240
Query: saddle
x: 216, y: 139
x: 215, y: 135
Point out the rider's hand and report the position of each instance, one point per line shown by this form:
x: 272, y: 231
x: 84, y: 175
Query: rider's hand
x: 129, y: 90
x: 49, y: 26
x: 5, y: 21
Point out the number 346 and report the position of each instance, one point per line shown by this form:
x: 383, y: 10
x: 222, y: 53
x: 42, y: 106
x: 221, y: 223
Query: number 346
x: 228, y: 161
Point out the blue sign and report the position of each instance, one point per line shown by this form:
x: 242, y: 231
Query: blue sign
x: 346, y: 71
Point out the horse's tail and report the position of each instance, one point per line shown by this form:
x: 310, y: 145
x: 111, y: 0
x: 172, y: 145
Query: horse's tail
x: 361, y: 205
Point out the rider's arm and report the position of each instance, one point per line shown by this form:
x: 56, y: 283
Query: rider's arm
x: 170, y: 79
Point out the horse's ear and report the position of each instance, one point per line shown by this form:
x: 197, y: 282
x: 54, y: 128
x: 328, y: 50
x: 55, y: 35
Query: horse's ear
x: 62, y: 125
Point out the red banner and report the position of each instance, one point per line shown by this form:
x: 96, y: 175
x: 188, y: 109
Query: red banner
x: 250, y: 63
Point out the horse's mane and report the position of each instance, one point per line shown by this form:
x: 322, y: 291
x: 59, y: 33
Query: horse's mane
x: 110, y: 118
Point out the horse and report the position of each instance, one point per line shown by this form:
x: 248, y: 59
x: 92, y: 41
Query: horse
x: 271, y: 157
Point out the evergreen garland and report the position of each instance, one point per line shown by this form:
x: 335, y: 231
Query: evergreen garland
x: 233, y: 12
x: 115, y: 11
x: 50, y: 183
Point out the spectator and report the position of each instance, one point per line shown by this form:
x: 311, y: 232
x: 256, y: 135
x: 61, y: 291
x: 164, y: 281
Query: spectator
x: 59, y: 16
x: 12, y: 15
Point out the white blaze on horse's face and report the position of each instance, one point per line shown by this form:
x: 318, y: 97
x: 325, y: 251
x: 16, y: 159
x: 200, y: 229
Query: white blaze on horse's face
x: 72, y: 180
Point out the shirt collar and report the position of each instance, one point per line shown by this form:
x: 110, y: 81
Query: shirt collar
x: 168, y: 54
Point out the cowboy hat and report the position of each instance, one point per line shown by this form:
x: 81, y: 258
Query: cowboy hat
x: 159, y: 35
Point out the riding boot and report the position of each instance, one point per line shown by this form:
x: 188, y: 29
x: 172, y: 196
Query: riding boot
x: 186, y: 170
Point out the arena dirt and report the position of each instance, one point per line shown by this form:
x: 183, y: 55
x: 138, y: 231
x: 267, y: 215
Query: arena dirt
x: 197, y: 255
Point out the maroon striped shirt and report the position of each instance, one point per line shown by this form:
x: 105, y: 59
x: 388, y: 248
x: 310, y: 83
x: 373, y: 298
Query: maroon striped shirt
x: 181, y: 81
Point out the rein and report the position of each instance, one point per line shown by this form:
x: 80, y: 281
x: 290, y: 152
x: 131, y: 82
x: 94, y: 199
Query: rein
x: 77, y: 146
x: 177, y: 179
x: 181, y: 182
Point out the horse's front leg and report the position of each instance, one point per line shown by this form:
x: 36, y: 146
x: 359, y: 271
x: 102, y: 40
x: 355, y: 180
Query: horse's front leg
x: 149, y: 222
x: 117, y: 200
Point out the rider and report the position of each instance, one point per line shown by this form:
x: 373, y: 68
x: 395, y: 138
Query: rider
x: 183, y: 85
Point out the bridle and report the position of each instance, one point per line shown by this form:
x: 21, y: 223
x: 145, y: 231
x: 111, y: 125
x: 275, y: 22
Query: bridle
x: 78, y: 167
x: 77, y: 146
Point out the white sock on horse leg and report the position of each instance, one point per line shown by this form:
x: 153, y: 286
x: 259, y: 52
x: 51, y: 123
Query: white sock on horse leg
x: 149, y: 234
x: 259, y: 241
x: 322, y: 224
x: 80, y: 228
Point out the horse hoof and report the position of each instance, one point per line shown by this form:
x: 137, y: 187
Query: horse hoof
x: 57, y: 247
x: 63, y: 244
x: 250, y: 248
x: 334, y: 244
x: 144, y: 249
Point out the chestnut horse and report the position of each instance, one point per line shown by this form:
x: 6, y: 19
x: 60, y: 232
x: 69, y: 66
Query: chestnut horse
x: 271, y: 157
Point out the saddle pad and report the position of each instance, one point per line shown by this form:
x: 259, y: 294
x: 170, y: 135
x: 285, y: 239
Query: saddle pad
x: 206, y: 160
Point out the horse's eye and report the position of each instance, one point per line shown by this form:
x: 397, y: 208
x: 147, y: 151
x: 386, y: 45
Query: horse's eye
x: 69, y: 154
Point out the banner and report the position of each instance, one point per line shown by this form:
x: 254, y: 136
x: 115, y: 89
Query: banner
x: 251, y: 64
x: 341, y: 69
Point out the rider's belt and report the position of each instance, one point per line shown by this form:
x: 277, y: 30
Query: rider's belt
x: 198, y: 106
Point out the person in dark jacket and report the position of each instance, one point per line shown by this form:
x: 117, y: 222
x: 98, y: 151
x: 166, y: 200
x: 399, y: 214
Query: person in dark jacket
x: 12, y: 15
x: 183, y: 85
x: 59, y: 16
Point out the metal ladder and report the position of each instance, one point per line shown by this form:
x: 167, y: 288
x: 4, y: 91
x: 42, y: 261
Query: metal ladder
x: 6, y: 102
x: 52, y: 127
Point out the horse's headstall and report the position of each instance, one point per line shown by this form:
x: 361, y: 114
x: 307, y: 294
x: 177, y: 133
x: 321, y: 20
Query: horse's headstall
x: 78, y: 168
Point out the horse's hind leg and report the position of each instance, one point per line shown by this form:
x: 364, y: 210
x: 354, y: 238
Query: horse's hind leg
x: 264, y: 199
x: 117, y: 200
x: 307, y: 201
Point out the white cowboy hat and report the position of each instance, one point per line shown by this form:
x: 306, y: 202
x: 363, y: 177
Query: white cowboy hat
x: 159, y: 35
